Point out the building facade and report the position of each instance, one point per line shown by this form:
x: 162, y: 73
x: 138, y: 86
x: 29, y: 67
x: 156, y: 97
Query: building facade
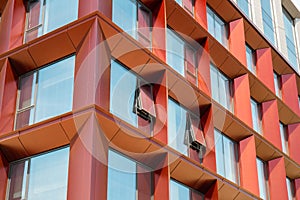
x: 149, y: 99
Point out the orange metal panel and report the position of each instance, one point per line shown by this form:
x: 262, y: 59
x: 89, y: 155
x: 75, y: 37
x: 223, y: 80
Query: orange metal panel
x: 290, y: 92
x: 270, y: 122
x: 237, y: 40
x: 161, y: 183
x: 277, y: 175
x: 264, y: 67
x: 204, y: 68
x: 200, y: 13
x: 297, y: 188
x: 294, y: 141
x: 212, y: 193
x: 3, y: 175
x: 18, y: 25
x: 241, y: 91
x: 247, y: 160
x: 12, y: 148
x: 6, y: 23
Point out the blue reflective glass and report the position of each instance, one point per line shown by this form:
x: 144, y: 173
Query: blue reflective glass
x: 261, y: 178
x: 255, y: 116
x: 179, y: 191
x: 267, y: 17
x: 245, y: 6
x: 250, y: 59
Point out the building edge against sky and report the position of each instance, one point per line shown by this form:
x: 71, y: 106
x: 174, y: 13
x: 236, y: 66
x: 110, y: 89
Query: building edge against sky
x: 149, y: 99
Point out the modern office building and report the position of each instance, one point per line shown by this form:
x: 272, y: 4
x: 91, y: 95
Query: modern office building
x: 149, y: 99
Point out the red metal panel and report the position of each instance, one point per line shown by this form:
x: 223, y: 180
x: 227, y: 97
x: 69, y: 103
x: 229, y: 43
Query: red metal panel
x: 200, y: 13
x: 6, y: 22
x: 204, y: 68
x: 242, y: 107
x: 248, y: 170
x: 237, y: 43
x: 146, y: 97
x: 297, y: 188
x: 270, y: 122
x: 277, y: 176
x: 264, y: 67
x: 88, y: 6
x: 188, y: 5
x: 161, y: 183
x: 212, y: 193
x: 294, y: 141
x: 3, y: 176
x: 289, y: 91
x: 144, y: 183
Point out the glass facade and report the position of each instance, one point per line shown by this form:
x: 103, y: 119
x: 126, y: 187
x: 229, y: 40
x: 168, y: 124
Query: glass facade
x: 45, y: 16
x: 179, y: 191
x: 41, y: 177
x: 188, y: 5
x: 134, y: 18
x: 262, y: 178
x: 245, y: 6
x: 251, y: 59
x: 127, y: 179
x: 217, y: 27
x: 226, y: 156
x: 181, y: 56
x: 256, y: 116
x: 277, y: 84
x: 267, y: 17
x: 221, y: 88
x: 284, y: 138
x: 290, y: 39
x: 45, y: 93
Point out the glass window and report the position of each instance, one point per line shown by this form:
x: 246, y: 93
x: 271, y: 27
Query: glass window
x: 277, y: 84
x: 134, y: 18
x: 45, y: 93
x: 262, y: 178
x: 221, y: 88
x: 290, y: 188
x: 245, y: 6
x: 217, y: 27
x: 290, y: 38
x: 188, y: 5
x: 45, y: 16
x: 256, y: 116
x: 268, y: 24
x: 179, y: 191
x: 251, y: 59
x: 226, y: 156
x: 181, y: 56
x: 284, y: 138
x: 127, y: 179
x: 40, y: 177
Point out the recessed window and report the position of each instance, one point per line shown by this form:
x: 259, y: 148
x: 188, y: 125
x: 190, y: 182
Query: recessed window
x: 181, y: 56
x: 131, y: 98
x: 290, y: 39
x: 221, y: 88
x: 251, y: 59
x: 128, y: 179
x: 256, y: 116
x: 188, y: 5
x: 41, y: 177
x: 290, y: 188
x: 226, y: 156
x: 268, y: 23
x: 277, y: 84
x: 182, y: 128
x: 45, y: 93
x: 262, y: 178
x: 134, y: 18
x: 217, y: 27
x: 284, y: 138
x: 245, y: 6
x: 45, y: 16
x: 179, y: 191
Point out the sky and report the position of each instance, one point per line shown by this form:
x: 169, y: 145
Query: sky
x: 297, y: 3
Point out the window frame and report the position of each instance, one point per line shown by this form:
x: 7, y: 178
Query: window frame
x: 190, y: 189
x: 277, y: 84
x: 258, y: 115
x: 266, y: 177
x: 250, y: 51
x: 284, y: 138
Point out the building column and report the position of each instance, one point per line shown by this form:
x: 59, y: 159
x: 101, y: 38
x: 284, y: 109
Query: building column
x: 290, y: 92
x: 257, y: 15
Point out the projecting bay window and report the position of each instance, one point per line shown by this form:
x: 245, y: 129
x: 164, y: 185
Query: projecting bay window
x: 188, y: 5
x: 179, y: 191
x: 251, y: 59
x: 217, y: 27
x: 284, y: 138
x: 221, y: 88
x: 226, y: 156
x: 290, y: 39
x: 181, y: 56
x: 277, y: 84
x: 128, y: 179
x: 256, y: 116
x: 262, y: 178
x: 134, y: 18
x: 45, y: 93
x: 245, y: 6
x: 41, y: 177
x: 268, y: 23
x: 131, y: 98
x: 184, y: 130
x: 43, y: 16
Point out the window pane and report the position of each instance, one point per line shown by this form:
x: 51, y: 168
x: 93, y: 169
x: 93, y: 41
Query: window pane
x: 55, y: 89
x: 125, y: 15
x: 175, y: 52
x: 210, y: 21
x: 224, y: 92
x: 59, y: 13
x: 245, y: 6
x: 24, y: 118
x: 18, y: 172
x: 230, y: 160
x: 261, y: 178
x: 284, y: 139
x: 27, y: 90
x: 250, y: 59
x: 255, y: 116
x: 277, y: 84
x: 144, y: 24
x: 176, y: 127
x: 214, y: 83
x: 178, y: 191
x: 49, y: 176
x: 121, y: 177
x: 267, y: 17
x: 122, y: 92
x: 219, y: 152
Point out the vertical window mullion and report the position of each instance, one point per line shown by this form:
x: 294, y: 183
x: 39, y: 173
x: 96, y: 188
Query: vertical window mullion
x: 27, y: 177
x: 35, y: 96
